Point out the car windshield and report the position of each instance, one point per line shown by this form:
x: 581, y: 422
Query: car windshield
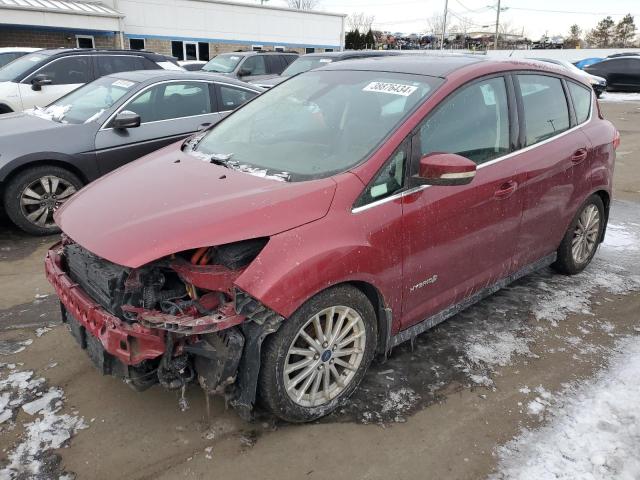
x: 304, y: 64
x: 86, y: 103
x: 14, y: 70
x: 224, y: 63
x: 316, y: 124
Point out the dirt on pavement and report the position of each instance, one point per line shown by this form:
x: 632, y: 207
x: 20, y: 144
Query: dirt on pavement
x: 438, y: 410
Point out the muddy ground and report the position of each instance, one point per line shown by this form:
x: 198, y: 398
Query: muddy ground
x: 437, y: 411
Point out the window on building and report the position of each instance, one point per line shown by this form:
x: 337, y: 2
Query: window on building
x: 581, y: 101
x: 256, y: 48
x: 176, y: 50
x: 68, y: 70
x: 85, y: 41
x: 279, y: 49
x: 136, y: 44
x: 190, y: 50
x: 545, y: 107
x: 328, y: 49
x: 203, y: 51
x: 172, y: 100
x: 473, y: 122
x: 231, y: 98
x: 309, y: 50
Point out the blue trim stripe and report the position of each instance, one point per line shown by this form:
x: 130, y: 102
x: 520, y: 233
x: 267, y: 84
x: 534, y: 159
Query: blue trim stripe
x: 233, y: 42
x: 79, y: 31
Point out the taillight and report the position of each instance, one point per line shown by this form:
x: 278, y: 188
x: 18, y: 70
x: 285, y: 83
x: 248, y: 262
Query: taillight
x: 616, y: 140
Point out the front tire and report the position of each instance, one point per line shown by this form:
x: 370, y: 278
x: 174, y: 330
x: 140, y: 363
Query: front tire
x: 581, y: 241
x: 32, y: 196
x: 319, y: 355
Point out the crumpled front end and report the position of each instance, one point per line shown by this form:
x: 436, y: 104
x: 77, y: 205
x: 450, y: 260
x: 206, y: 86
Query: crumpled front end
x: 173, y: 321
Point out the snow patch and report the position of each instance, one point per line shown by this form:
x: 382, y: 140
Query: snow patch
x: 620, y: 97
x: 593, y: 432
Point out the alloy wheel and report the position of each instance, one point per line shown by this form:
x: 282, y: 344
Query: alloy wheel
x: 585, y: 236
x: 42, y: 197
x: 324, y: 356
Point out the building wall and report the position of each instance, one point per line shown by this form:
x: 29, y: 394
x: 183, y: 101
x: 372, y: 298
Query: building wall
x: 221, y: 22
x: 37, y: 37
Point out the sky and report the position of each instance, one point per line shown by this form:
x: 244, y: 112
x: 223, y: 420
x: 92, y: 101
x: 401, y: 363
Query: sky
x: 536, y: 18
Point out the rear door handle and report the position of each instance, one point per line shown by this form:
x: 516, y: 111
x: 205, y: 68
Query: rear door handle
x: 506, y: 190
x: 579, y: 155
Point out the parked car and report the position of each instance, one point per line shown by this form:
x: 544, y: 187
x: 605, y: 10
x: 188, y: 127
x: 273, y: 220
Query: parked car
x: 37, y: 79
x: 624, y: 54
x: 329, y: 220
x: 9, y: 54
x: 248, y: 66
x: 311, y: 61
x: 587, y: 61
x: 50, y: 153
x: 192, y: 65
x: 622, y: 73
x: 598, y: 84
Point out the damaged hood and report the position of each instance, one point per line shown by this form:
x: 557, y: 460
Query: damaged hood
x: 170, y: 201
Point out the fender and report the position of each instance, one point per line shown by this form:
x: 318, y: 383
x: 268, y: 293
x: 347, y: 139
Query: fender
x: 82, y: 163
x: 287, y: 273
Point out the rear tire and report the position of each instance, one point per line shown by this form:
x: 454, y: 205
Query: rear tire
x: 32, y: 196
x: 583, y: 236
x: 309, y: 366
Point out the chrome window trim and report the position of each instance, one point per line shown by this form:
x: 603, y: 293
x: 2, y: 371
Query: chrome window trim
x: 410, y: 191
x: 140, y: 92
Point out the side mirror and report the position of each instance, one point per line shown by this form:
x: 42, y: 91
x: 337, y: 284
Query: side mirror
x: 243, y: 72
x: 38, y: 81
x: 126, y: 119
x: 445, y: 169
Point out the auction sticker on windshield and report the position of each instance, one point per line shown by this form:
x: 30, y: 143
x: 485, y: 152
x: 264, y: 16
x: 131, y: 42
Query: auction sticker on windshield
x: 393, y: 88
x: 122, y: 83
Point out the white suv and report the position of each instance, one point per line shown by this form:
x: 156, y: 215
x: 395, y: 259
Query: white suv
x: 9, y: 54
x: 40, y: 78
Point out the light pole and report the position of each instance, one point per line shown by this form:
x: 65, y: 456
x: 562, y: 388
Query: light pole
x: 495, y: 40
x: 444, y: 23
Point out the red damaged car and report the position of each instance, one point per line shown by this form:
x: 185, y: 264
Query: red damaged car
x: 330, y: 219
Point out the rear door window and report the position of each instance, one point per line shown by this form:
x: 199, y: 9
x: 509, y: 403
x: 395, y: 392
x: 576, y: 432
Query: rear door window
x: 68, y: 70
x: 546, y: 112
x: 274, y: 65
x: 108, y: 64
x: 581, y: 101
x: 473, y: 122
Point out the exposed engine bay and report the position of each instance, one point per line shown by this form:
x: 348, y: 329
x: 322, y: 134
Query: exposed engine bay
x: 209, y: 327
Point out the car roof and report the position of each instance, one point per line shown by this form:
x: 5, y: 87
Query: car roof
x: 257, y: 52
x: 352, y: 53
x: 418, y: 64
x: 96, y: 51
x: 152, y: 76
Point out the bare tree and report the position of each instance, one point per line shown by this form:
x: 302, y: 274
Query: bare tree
x: 434, y: 24
x: 360, y: 21
x: 303, y: 4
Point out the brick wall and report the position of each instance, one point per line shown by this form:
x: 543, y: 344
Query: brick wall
x: 49, y: 39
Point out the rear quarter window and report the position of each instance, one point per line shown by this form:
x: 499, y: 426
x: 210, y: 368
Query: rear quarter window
x: 581, y: 101
x: 546, y: 112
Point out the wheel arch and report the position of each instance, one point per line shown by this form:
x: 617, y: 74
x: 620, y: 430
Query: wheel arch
x: 44, y: 162
x: 4, y: 108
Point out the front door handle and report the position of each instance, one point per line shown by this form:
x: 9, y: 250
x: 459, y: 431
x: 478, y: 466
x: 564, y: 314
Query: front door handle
x: 506, y: 190
x: 579, y: 155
